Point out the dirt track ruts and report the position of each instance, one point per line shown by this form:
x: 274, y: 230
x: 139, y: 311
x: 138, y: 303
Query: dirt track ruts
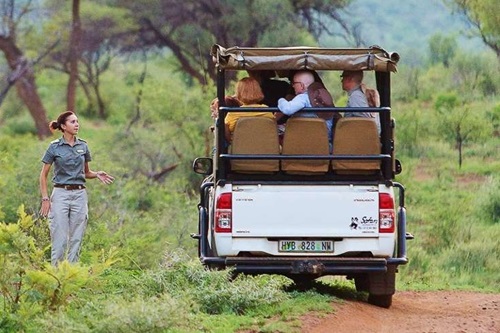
x: 429, y: 312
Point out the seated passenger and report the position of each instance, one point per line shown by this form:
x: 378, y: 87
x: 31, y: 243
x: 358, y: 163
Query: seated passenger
x: 249, y: 93
x: 352, y: 83
x: 273, y: 89
x: 230, y: 101
x: 302, y: 80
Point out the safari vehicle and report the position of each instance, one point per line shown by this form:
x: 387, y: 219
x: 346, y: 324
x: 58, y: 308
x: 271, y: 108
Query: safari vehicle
x: 299, y: 209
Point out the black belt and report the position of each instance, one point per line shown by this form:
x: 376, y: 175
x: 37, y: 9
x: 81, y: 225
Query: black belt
x: 70, y: 186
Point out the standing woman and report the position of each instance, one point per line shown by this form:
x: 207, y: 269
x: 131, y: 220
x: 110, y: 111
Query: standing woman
x: 67, y: 207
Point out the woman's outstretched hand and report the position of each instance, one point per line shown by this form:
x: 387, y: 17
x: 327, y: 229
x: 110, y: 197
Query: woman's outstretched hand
x: 104, y: 177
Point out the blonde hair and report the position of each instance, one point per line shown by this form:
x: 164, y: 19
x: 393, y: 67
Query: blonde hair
x: 248, y: 91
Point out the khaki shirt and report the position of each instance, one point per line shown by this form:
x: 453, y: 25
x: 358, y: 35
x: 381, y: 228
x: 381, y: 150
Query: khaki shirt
x: 69, y: 162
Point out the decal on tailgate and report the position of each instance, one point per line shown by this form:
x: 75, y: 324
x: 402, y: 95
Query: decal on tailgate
x: 365, y: 224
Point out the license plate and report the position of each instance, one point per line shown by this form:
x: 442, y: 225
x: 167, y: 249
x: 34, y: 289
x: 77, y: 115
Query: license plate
x: 309, y: 246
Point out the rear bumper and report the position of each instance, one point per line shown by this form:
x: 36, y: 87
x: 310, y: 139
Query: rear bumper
x: 304, y: 265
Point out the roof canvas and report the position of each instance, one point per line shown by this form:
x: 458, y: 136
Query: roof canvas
x: 298, y: 58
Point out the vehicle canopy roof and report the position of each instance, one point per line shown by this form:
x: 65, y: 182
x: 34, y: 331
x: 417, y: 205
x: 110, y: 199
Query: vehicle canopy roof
x: 373, y: 58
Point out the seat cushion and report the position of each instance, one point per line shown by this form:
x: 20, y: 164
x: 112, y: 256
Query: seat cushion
x: 356, y: 136
x: 255, y: 135
x: 305, y: 136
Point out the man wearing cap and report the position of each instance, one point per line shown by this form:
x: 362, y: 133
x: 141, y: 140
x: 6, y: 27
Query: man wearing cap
x: 352, y: 82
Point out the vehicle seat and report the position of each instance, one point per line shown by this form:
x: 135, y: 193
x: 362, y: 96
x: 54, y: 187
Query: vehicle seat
x: 305, y: 136
x: 356, y: 136
x: 255, y: 135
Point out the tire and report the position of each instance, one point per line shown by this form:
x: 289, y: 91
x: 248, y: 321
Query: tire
x: 362, y: 283
x: 383, y: 301
x: 303, y: 282
x: 382, y: 285
x: 215, y: 267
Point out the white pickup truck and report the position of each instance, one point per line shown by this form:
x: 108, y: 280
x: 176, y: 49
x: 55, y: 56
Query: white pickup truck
x: 296, y: 206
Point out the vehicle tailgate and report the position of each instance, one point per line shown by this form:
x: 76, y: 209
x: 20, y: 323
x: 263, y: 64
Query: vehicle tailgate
x: 305, y: 211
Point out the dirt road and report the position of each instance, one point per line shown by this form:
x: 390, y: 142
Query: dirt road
x: 429, y: 312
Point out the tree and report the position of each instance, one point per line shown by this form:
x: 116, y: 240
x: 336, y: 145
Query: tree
x: 442, y: 49
x: 84, y: 54
x: 482, y: 16
x: 22, y: 74
x: 189, y: 28
x: 457, y: 122
x: 74, y: 54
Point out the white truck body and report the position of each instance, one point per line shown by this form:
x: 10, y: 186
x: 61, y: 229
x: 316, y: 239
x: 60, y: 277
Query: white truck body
x: 312, y: 202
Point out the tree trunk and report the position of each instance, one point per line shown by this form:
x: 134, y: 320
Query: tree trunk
x: 88, y: 95
x: 94, y: 81
x: 460, y: 143
x: 26, y: 85
x: 74, y: 53
x: 100, y: 103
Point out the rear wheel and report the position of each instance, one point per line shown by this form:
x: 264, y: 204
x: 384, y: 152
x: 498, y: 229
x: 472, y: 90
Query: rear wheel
x: 381, y: 287
x: 362, y: 283
x: 215, y: 267
x: 383, y: 301
x: 303, y: 282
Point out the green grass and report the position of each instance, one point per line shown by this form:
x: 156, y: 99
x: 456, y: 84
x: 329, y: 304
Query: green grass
x: 454, y: 216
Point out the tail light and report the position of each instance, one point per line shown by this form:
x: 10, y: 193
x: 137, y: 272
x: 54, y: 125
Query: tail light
x: 387, y: 220
x: 223, y: 213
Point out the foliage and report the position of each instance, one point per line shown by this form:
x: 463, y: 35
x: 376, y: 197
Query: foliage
x: 213, y: 291
x: 17, y: 170
x: 483, y: 20
x: 493, y: 117
x: 75, y: 297
x: 95, y: 51
x: 461, y: 241
x: 412, y: 127
x: 190, y: 28
x: 28, y: 284
x: 489, y: 202
x: 474, y: 76
x: 457, y: 123
x: 442, y: 49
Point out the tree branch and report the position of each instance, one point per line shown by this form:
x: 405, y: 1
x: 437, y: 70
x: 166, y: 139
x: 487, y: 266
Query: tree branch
x: 165, y: 40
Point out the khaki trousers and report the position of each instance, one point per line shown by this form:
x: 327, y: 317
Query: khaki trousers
x: 68, y: 220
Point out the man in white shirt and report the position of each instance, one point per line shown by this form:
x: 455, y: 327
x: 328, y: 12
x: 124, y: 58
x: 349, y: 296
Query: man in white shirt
x: 301, y: 81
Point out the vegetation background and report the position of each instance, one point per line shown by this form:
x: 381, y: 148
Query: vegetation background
x: 141, y: 87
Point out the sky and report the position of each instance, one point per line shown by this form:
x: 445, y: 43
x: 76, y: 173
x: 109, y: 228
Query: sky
x: 405, y: 26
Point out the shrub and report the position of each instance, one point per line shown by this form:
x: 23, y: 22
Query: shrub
x: 156, y: 314
x: 215, y: 292
x: 489, y: 201
x: 29, y: 285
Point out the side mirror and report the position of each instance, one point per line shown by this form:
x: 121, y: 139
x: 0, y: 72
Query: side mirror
x: 398, y: 168
x: 203, y: 165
